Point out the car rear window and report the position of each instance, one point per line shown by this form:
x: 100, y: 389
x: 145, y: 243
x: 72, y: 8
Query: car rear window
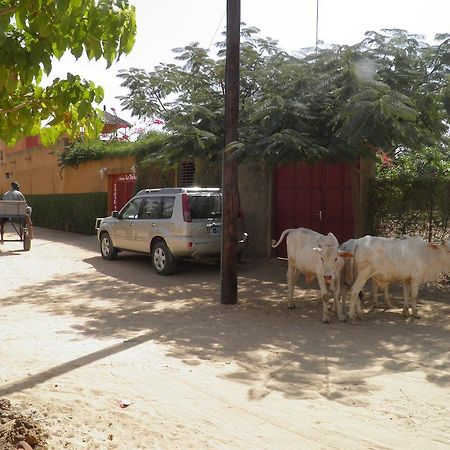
x: 205, y: 206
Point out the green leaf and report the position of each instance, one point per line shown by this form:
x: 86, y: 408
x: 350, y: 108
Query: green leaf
x: 49, y: 135
x: 77, y: 51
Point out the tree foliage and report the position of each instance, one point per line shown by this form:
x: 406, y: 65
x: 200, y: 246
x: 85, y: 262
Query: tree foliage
x: 411, y: 194
x: 32, y: 34
x: 386, y: 93
x: 429, y: 162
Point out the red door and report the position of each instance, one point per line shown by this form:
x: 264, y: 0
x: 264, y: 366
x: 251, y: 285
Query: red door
x: 318, y: 197
x: 121, y: 189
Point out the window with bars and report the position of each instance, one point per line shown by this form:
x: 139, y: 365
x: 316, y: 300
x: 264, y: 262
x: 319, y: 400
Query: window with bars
x: 186, y: 173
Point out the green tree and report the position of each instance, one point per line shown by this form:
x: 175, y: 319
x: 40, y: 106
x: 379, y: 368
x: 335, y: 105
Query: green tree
x: 386, y: 93
x: 32, y: 33
x: 189, y: 96
x: 391, y: 93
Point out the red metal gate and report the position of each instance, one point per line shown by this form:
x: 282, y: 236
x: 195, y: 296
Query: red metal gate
x: 318, y: 197
x: 121, y: 189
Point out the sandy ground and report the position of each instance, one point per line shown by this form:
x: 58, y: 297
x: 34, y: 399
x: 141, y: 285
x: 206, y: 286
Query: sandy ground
x: 80, y: 334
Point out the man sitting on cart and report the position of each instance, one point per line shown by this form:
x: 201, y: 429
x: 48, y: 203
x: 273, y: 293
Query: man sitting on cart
x: 15, y: 194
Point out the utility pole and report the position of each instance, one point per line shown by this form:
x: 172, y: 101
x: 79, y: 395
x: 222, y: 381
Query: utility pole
x: 230, y: 194
x: 317, y: 26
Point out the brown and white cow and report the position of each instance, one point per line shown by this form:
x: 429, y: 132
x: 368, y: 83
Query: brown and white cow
x: 314, y: 255
x: 409, y: 260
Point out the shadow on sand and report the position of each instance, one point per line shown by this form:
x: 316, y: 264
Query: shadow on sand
x: 274, y: 348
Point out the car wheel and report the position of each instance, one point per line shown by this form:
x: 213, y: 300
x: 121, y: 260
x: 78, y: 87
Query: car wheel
x: 107, y: 249
x: 162, y: 259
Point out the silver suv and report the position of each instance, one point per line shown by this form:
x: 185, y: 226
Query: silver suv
x: 168, y: 224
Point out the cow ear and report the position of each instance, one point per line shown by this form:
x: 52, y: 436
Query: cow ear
x: 432, y: 245
x: 445, y: 243
x: 343, y: 254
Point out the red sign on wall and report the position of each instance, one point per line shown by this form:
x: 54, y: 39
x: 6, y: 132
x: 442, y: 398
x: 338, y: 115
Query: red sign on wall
x: 122, y: 188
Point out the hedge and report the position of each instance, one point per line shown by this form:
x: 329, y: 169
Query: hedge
x: 68, y: 212
x: 410, y: 205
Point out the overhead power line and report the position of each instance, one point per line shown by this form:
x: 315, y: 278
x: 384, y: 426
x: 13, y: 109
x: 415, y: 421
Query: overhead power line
x: 217, y: 29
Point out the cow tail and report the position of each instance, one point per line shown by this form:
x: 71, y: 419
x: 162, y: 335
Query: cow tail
x: 283, y: 234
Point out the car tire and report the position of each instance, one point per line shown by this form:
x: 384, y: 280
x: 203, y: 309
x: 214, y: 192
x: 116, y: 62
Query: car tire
x: 107, y: 249
x: 162, y: 259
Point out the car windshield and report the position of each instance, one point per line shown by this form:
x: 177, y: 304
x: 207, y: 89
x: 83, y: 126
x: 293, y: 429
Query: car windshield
x: 205, y: 206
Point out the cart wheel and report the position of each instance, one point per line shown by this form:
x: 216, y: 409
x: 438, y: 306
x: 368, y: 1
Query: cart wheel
x: 26, y: 240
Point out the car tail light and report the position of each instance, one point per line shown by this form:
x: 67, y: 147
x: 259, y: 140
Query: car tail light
x: 186, y: 208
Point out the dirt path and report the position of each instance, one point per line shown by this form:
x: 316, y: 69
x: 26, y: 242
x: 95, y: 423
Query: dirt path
x: 79, y: 334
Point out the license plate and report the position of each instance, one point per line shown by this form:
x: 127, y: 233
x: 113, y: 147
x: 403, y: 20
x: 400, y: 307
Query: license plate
x: 214, y: 230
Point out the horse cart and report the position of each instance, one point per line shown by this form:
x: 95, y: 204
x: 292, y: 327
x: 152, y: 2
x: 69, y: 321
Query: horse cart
x: 15, y: 213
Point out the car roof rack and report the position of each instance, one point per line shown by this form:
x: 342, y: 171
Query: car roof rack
x: 177, y: 190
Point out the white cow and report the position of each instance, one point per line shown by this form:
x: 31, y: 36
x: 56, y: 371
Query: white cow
x: 349, y: 274
x: 314, y: 255
x: 409, y: 260
x: 385, y: 287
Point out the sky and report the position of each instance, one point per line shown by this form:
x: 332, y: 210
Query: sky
x: 167, y: 24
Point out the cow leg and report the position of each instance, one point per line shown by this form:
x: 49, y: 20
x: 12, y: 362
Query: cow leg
x: 375, y: 292
x: 414, y: 294
x: 385, y: 287
x: 325, y: 313
x: 324, y: 296
x: 343, y: 294
x: 292, y: 278
x: 339, y: 300
x: 387, y: 301
x: 406, y: 294
x: 355, y: 303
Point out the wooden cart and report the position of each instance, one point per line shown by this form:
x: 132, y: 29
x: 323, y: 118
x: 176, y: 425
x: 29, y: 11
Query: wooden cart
x: 15, y: 213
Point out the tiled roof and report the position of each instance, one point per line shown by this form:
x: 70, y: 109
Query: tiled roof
x: 113, y: 123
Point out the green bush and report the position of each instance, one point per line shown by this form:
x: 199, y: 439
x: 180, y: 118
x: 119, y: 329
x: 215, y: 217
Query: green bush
x: 411, y: 195
x: 414, y: 206
x: 81, y: 151
x: 68, y: 212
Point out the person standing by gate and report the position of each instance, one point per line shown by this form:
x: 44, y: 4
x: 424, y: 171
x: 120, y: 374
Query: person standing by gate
x: 15, y: 195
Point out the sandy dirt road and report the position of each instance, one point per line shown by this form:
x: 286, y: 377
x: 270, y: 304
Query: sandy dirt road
x: 79, y: 334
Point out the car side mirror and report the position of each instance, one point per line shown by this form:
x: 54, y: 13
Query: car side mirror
x: 115, y: 214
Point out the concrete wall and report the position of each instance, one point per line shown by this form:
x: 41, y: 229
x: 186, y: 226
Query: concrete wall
x: 255, y: 190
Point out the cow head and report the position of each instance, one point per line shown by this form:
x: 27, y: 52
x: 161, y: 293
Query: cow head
x: 331, y: 258
x: 444, y: 245
x: 442, y: 253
